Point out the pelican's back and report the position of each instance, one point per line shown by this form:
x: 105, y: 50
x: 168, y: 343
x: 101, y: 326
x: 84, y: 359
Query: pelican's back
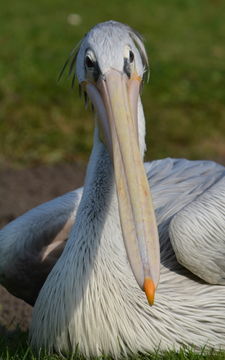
x: 31, y: 244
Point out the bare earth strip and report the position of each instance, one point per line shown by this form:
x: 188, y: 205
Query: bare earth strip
x: 21, y: 190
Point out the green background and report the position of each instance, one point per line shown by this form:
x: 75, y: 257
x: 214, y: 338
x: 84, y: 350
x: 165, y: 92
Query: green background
x: 42, y: 121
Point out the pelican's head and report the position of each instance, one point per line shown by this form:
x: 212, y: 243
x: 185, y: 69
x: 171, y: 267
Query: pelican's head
x: 110, y: 65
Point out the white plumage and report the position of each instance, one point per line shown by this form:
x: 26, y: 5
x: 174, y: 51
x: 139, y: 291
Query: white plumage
x: 91, y: 297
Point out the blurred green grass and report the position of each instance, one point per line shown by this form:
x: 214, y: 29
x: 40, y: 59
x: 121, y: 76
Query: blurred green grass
x: 16, y: 347
x: 42, y: 121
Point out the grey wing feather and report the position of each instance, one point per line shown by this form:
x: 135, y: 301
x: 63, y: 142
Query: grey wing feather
x: 187, y: 195
x: 197, y: 234
x: 31, y: 245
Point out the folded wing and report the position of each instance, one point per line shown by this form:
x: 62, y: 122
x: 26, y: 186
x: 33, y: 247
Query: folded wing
x: 31, y: 245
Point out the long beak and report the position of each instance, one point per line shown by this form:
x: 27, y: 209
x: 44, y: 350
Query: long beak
x: 115, y: 98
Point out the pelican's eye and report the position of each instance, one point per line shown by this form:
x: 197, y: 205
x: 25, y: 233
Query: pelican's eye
x: 91, y: 66
x: 131, y: 56
x: 128, y: 61
x: 89, y: 62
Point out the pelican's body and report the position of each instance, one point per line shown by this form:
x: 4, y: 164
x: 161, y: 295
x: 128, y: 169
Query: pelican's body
x: 92, y: 297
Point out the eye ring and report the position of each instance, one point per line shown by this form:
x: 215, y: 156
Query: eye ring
x: 88, y: 62
x: 131, y: 56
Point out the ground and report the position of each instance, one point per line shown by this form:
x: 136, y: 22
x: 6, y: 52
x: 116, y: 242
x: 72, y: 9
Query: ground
x: 21, y: 190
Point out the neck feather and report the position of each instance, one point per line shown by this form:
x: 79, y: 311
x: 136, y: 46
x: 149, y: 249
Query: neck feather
x: 99, y: 199
x: 99, y: 192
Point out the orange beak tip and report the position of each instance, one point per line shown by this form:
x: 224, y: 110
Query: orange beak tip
x: 149, y: 289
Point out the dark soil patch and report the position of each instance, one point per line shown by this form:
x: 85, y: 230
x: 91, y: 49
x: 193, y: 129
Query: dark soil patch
x: 21, y: 190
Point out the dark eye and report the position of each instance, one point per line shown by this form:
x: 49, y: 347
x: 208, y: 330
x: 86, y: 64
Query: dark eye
x: 89, y: 63
x: 131, y: 56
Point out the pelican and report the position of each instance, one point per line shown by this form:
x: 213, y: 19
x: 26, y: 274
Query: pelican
x: 91, y: 262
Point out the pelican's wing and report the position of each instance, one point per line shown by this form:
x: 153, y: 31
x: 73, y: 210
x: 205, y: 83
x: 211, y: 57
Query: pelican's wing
x: 31, y: 244
x: 197, y: 234
x: 189, y: 199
